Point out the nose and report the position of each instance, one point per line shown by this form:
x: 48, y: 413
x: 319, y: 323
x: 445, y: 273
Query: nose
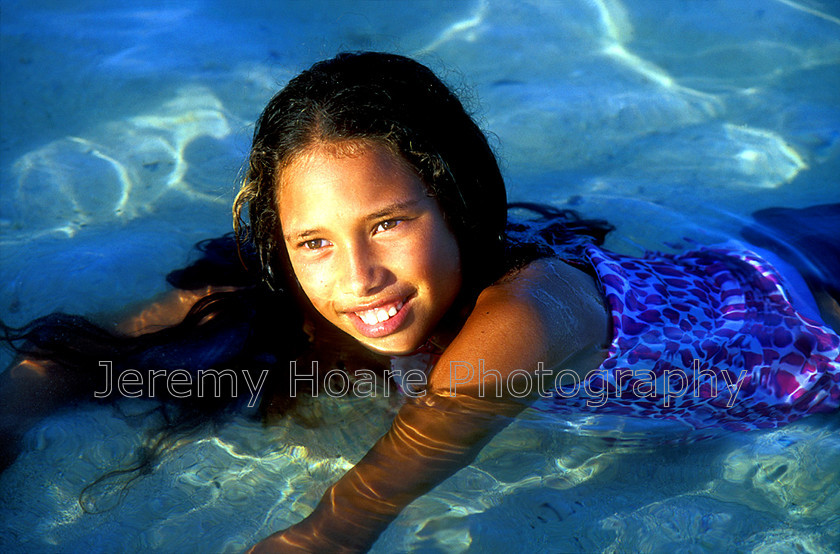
x: 363, y: 271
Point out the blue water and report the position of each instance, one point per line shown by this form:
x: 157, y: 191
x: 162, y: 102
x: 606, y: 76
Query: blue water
x: 124, y: 127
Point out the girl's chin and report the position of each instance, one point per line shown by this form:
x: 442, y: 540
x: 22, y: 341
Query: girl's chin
x: 401, y: 347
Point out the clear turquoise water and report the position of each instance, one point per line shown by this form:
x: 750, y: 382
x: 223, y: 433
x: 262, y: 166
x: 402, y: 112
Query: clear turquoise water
x: 123, y: 131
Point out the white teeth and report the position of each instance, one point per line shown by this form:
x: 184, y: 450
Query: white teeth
x: 372, y: 317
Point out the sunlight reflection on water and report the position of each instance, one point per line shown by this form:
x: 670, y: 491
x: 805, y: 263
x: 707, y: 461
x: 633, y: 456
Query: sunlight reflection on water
x: 123, y: 131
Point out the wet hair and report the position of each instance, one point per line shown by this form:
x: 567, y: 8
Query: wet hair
x: 352, y: 100
x: 386, y: 99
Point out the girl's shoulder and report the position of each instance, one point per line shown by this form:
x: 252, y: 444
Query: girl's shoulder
x: 546, y: 311
x: 547, y: 283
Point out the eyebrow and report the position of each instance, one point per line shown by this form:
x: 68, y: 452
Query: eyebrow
x: 390, y: 210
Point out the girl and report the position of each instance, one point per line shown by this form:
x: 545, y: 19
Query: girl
x: 376, y: 208
x: 376, y: 199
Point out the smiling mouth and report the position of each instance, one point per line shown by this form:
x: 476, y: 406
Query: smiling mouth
x: 382, y: 320
x: 379, y: 315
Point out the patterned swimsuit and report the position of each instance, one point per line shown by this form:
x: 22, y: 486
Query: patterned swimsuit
x: 708, y: 337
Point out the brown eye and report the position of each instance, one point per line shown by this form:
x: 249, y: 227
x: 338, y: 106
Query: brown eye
x: 314, y: 244
x: 385, y: 225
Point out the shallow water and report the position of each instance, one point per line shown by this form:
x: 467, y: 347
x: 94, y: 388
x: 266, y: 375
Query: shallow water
x: 123, y: 131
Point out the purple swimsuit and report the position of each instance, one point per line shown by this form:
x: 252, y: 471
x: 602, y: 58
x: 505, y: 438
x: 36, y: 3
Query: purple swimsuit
x: 708, y: 337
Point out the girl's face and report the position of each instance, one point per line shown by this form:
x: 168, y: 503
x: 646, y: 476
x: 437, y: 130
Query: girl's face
x: 369, y: 248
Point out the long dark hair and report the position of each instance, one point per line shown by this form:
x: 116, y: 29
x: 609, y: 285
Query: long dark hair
x: 360, y: 98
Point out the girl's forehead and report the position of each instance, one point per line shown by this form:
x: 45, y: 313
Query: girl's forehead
x: 322, y: 183
x: 325, y: 154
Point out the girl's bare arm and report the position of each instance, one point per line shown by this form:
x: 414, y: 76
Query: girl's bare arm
x: 33, y: 387
x: 168, y: 309
x: 510, y: 328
